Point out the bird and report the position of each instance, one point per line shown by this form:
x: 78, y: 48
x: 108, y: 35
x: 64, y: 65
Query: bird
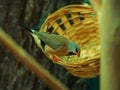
x: 53, y: 44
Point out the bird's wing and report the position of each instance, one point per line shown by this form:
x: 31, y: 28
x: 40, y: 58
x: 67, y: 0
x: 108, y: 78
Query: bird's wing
x: 54, y: 41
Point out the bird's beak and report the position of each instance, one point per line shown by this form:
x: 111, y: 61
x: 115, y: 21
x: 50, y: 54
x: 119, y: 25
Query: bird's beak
x: 78, y: 54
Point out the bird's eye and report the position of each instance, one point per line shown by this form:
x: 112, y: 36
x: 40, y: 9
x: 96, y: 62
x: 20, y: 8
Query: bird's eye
x: 76, y: 50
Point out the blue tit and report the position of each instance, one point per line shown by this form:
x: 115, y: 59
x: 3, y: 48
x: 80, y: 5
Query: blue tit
x: 54, y: 44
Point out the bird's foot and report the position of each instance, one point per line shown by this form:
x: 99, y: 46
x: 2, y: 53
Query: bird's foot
x: 55, y: 58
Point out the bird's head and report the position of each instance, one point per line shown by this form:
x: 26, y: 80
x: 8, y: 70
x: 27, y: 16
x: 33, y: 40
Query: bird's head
x: 73, y: 49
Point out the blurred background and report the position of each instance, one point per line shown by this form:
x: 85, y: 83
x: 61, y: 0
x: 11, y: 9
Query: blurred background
x: 13, y: 74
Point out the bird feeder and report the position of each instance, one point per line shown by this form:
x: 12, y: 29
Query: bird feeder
x: 78, y: 23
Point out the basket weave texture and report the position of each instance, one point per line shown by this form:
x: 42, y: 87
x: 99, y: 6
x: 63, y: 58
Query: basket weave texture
x: 79, y: 24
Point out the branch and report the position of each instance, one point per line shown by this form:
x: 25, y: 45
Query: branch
x: 110, y: 38
x: 30, y: 62
x: 109, y: 20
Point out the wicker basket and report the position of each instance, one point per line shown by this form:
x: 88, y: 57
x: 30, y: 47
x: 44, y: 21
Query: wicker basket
x: 78, y: 23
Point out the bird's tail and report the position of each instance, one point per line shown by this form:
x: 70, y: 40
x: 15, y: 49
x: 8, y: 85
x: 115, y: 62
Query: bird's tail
x: 28, y: 28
